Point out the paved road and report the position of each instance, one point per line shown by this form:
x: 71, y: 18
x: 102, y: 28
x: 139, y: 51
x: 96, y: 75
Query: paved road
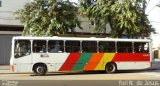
x: 122, y: 78
x: 121, y: 75
x: 68, y: 83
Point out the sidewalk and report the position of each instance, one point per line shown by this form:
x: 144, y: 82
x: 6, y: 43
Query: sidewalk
x: 5, y: 69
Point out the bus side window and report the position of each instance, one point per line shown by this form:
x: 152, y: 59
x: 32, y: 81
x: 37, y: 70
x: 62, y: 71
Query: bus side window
x: 141, y: 47
x: 124, y: 47
x: 72, y: 46
x: 55, y: 46
x: 105, y: 46
x: 22, y: 48
x: 39, y: 46
x: 89, y: 46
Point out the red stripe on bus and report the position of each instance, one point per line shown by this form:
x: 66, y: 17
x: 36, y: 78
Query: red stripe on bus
x: 119, y: 57
x: 70, y: 62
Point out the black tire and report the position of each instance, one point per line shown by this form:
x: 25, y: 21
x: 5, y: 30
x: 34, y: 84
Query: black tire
x: 111, y: 68
x: 40, y: 70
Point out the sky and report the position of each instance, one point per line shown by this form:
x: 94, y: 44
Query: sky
x: 153, y: 13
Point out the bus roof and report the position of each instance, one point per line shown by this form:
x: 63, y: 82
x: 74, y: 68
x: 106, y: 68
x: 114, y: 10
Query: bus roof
x: 80, y: 38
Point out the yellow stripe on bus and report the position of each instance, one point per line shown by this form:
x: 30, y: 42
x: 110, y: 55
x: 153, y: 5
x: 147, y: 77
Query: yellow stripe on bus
x: 107, y: 57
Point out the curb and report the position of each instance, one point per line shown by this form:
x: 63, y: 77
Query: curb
x: 5, y: 72
x: 4, y: 67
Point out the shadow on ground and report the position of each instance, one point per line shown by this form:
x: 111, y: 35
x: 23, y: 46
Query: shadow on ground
x: 96, y: 72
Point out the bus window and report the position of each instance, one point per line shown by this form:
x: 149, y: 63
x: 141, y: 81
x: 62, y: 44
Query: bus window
x: 141, y: 47
x: 89, y: 46
x: 124, y: 47
x: 55, y: 46
x: 39, y: 46
x: 22, y: 48
x: 72, y: 46
x: 105, y: 46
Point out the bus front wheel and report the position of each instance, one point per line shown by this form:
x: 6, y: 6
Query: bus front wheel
x: 40, y: 70
x: 111, y: 67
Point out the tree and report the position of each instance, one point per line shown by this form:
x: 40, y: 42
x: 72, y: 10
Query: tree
x: 48, y: 17
x: 124, y: 16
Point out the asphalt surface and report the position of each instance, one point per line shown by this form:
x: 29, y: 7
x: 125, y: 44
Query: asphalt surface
x: 149, y: 77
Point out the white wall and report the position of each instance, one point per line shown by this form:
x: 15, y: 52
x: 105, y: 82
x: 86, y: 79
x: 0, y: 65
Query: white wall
x: 87, y: 27
x: 8, y: 7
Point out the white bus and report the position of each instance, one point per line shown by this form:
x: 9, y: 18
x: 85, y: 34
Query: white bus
x: 47, y: 54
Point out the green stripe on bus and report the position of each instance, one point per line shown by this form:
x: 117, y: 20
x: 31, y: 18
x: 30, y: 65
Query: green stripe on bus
x: 84, y: 58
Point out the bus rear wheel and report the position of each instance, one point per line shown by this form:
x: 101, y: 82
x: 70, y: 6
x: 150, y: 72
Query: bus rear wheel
x: 40, y: 70
x: 111, y: 68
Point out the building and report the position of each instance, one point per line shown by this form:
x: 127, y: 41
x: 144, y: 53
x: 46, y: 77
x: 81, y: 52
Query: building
x: 156, y: 45
x: 9, y: 26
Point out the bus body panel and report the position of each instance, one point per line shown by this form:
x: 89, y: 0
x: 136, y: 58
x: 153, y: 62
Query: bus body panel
x: 23, y: 64
x: 126, y: 57
x: 53, y: 60
x: 97, y: 61
x: 78, y: 61
x: 132, y: 65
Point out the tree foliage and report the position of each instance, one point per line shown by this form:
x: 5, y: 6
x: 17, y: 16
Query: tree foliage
x: 124, y: 16
x: 48, y: 17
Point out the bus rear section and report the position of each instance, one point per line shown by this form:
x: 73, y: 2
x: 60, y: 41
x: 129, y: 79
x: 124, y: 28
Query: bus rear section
x: 48, y: 54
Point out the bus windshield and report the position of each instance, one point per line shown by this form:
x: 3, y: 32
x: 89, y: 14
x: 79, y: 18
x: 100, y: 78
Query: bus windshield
x: 22, y: 48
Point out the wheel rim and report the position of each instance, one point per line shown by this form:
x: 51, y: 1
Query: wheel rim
x: 111, y: 68
x: 40, y: 69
